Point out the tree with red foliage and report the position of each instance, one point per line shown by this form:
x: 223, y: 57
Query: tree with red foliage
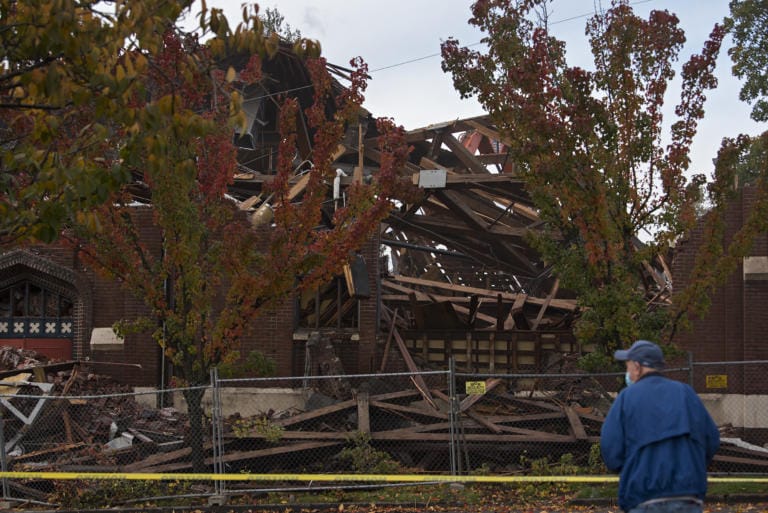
x: 591, y: 147
x: 214, y: 276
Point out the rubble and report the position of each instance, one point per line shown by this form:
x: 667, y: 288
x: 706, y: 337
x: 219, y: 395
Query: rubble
x: 77, y: 421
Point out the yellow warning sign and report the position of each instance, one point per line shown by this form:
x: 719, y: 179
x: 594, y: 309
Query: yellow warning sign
x: 475, y: 387
x: 717, y: 381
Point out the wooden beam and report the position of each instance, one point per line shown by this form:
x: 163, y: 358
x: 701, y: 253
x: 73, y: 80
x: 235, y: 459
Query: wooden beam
x: 509, y: 322
x: 363, y: 413
x: 410, y: 409
x: 456, y: 203
x: 416, y: 378
x: 545, y: 304
x: 576, y: 426
x: 388, y: 343
x: 490, y: 133
x: 566, y: 304
x: 464, y: 156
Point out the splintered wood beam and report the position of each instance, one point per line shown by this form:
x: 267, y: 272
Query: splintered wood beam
x: 398, y: 408
x: 546, y: 303
x: 490, y: 133
x: 319, y: 412
x: 385, y: 356
x: 426, y: 163
x: 157, y: 459
x: 517, y: 207
x: 420, y: 296
x: 463, y: 207
x: 566, y: 304
x: 483, y: 178
x: 655, y: 275
x: 250, y: 202
x: 437, y: 143
x: 340, y: 151
x: 436, y: 223
x: 299, y: 186
x: 416, y: 378
x: 480, y: 419
x: 357, y: 173
x: 247, y: 455
x: 576, y: 426
x: 516, y: 255
x: 492, y: 158
x: 464, y: 156
x: 363, y: 412
x: 456, y: 203
x: 517, y: 306
x: 416, y: 435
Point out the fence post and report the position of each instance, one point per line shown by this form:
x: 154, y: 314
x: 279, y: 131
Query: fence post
x: 216, y: 432
x: 690, y: 368
x: 453, y: 416
x: 3, y: 459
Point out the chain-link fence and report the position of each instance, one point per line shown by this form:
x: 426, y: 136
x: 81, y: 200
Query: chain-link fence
x: 437, y: 423
x: 736, y: 395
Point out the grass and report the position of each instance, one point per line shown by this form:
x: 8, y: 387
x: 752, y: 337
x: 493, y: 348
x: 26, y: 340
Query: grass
x: 476, y: 494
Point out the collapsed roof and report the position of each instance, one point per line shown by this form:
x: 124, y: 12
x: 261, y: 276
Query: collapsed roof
x: 465, y: 239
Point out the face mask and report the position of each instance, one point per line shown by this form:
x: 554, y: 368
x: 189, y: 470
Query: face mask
x: 627, y: 379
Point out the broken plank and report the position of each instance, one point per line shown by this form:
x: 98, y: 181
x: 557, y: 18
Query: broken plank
x: 319, y: 412
x: 46, y: 452
x: 567, y: 304
x: 416, y: 378
x: 246, y: 455
x: 409, y: 409
x: 480, y: 419
x: 313, y: 414
x: 156, y: 459
x: 578, y: 428
x: 363, y: 412
x: 385, y: 355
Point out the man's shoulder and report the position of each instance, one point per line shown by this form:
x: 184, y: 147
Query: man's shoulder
x: 658, y: 380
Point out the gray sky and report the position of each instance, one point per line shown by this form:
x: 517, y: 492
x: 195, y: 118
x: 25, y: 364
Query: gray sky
x: 400, y: 41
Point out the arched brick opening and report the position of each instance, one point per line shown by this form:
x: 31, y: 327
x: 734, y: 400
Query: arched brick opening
x: 22, y: 265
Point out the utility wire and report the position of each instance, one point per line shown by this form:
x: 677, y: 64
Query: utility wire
x: 433, y: 55
x: 437, y: 54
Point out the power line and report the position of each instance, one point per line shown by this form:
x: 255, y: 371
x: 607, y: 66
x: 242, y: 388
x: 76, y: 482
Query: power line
x: 432, y: 55
x: 437, y: 54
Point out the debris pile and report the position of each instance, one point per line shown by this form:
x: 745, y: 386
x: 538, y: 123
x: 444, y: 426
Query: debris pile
x: 62, y: 416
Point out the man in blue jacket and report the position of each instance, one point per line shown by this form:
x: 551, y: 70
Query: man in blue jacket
x: 658, y: 436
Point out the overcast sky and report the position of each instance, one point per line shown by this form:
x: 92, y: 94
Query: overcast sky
x: 400, y: 41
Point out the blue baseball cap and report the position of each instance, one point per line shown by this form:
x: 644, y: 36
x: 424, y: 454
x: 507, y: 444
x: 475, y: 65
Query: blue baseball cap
x: 643, y: 352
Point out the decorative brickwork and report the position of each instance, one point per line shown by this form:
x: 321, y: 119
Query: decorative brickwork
x: 34, y: 265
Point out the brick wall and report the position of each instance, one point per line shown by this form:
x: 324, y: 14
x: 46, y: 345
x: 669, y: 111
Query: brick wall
x: 735, y: 327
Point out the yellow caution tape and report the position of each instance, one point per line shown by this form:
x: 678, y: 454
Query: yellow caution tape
x: 388, y: 478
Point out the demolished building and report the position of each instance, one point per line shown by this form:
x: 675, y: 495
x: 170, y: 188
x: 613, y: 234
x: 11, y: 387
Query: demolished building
x: 451, y: 272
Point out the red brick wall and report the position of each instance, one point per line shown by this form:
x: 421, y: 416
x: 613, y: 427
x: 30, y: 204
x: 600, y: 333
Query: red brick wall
x: 736, y: 325
x: 138, y: 361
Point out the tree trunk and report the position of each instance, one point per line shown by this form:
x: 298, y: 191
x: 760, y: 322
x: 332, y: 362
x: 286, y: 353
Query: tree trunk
x: 194, y: 398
